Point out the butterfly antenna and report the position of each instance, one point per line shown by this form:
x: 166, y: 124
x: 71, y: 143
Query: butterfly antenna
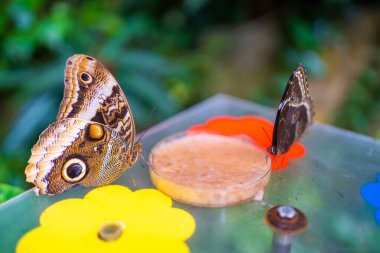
x: 148, y: 120
x: 143, y: 159
x: 270, y: 140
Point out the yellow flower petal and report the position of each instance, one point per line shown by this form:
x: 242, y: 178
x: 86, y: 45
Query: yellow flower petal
x: 169, y: 224
x: 72, y: 225
x: 45, y: 240
x: 109, y: 193
x: 152, y: 198
x: 66, y: 214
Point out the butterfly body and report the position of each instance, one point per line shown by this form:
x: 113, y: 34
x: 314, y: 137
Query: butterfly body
x: 295, y: 113
x: 92, y: 141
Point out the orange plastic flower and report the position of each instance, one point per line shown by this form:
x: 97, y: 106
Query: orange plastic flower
x: 258, y: 129
x: 111, y: 219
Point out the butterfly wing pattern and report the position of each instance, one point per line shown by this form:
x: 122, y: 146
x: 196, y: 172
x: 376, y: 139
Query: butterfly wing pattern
x: 295, y: 113
x: 92, y: 93
x: 92, y: 141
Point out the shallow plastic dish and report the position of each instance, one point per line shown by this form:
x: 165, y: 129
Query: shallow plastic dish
x: 209, y: 170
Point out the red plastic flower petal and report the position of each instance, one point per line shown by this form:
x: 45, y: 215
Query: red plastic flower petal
x: 258, y: 129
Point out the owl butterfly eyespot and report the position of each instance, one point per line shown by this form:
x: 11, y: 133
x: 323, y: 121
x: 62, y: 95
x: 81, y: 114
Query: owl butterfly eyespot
x: 95, y: 132
x: 93, y: 140
x: 295, y: 113
x: 74, y: 170
x: 85, y: 78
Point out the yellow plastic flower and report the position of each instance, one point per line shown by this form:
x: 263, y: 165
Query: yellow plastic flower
x: 111, y: 219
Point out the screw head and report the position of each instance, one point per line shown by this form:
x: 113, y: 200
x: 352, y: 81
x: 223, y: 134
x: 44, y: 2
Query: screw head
x: 286, y: 212
x: 111, y: 231
x: 286, y: 220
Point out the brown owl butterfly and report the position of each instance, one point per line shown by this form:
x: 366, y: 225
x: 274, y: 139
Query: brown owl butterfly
x: 92, y: 141
x: 295, y: 113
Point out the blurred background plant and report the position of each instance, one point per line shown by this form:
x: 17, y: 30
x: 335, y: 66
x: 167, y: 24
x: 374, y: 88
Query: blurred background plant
x: 168, y: 55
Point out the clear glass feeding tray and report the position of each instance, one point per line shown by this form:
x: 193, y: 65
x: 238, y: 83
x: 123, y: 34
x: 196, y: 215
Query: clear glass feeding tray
x: 325, y: 184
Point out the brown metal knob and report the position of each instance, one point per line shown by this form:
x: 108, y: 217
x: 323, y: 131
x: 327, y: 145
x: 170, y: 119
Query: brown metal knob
x: 285, y: 221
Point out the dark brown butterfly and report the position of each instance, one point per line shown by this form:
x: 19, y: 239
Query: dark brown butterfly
x: 295, y: 113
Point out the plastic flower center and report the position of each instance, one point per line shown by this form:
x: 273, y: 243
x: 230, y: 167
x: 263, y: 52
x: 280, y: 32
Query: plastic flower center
x: 111, y: 231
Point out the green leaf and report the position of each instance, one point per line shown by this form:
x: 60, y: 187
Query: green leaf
x: 150, y: 90
x: 144, y: 61
x: 8, y: 191
x: 33, y: 117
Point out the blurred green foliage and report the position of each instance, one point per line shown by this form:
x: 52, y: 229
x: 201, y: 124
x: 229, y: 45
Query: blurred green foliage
x: 360, y: 112
x: 130, y: 37
x: 151, y: 48
x: 8, y: 192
